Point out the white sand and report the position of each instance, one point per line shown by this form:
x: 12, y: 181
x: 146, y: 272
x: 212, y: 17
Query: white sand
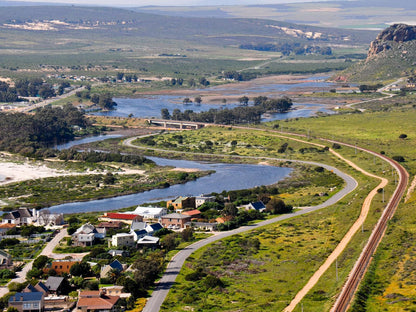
x: 13, y: 172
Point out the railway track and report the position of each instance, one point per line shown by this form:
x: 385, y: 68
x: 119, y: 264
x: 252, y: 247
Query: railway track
x: 344, y: 299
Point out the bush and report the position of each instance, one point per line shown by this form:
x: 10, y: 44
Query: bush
x: 211, y: 282
x: 398, y: 158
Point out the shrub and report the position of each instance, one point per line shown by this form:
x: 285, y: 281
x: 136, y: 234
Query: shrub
x: 211, y: 282
x: 398, y: 158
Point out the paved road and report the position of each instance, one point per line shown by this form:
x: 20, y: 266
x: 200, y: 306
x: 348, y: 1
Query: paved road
x: 47, y: 251
x: 173, y: 268
x: 48, y: 101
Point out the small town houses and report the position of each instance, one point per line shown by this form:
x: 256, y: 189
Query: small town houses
x: 117, y: 234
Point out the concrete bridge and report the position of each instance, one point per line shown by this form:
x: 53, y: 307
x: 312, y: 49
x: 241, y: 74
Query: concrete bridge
x: 178, y: 124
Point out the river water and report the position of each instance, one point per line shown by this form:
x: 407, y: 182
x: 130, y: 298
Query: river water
x: 150, y: 106
x: 226, y: 177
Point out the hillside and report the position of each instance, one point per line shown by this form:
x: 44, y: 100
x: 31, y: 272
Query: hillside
x: 357, y: 14
x: 217, y: 31
x: 391, y: 55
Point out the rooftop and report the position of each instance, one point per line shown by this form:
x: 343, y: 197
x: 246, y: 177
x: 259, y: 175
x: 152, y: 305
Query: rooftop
x: 121, y: 216
x: 175, y: 216
x: 29, y: 296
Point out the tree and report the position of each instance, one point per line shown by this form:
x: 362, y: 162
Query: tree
x: 109, y: 178
x: 12, y: 309
x: 95, y: 98
x: 187, y: 234
x: 81, y: 269
x: 277, y: 206
x: 203, y: 81
x: 187, y: 100
x: 120, y: 76
x: 230, y: 210
x: 169, y: 241
x: 40, y: 262
x: 243, y: 100
x: 46, y: 91
x: 34, y: 273
x: 164, y: 112
x: 198, y: 99
x: 106, y: 101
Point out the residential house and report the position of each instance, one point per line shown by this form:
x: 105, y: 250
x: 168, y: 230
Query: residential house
x: 115, y: 265
x: 138, y: 225
x: 202, y: 199
x: 111, y: 225
x: 152, y: 228
x: 55, y: 285
x: 202, y: 226
x: 114, y: 291
x: 148, y: 241
x: 175, y: 220
x: 96, y: 301
x: 27, y: 302
x: 62, y: 266
x: 21, y: 216
x: 123, y: 239
x: 39, y: 287
x: 120, y: 253
x: 138, y: 234
x: 87, y: 234
x: 152, y: 213
x: 5, y: 259
x: 50, y: 219
x: 259, y: 206
x: 194, y: 214
x: 5, y: 227
x: 181, y: 203
x: 121, y: 217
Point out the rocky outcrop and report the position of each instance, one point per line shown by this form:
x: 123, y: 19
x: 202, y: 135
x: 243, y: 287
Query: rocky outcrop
x: 396, y: 33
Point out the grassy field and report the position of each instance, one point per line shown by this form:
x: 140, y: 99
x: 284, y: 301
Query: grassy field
x: 260, y: 281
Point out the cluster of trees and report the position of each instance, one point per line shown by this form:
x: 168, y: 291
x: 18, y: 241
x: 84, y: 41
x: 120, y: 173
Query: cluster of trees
x: 288, y: 48
x: 370, y: 88
x: 127, y: 77
x: 105, y: 100
x: 245, y: 114
x: 34, y: 87
x: 238, y: 76
x: 94, y: 157
x: 7, y: 94
x: 28, y: 87
x: 29, y: 134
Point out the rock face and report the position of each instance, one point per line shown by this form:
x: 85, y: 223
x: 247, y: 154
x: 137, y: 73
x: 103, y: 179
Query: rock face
x: 398, y: 33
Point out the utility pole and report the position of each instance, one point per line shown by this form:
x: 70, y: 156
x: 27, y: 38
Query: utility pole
x: 336, y: 268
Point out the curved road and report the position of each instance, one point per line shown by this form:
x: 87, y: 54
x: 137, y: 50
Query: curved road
x: 174, y: 266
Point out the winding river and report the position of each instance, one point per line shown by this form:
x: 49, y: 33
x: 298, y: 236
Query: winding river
x: 226, y: 177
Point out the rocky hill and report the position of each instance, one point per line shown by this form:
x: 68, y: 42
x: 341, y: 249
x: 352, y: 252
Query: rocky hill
x: 391, y: 55
x: 398, y: 33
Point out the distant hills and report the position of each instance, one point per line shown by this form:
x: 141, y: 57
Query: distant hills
x: 391, y: 55
x: 213, y: 31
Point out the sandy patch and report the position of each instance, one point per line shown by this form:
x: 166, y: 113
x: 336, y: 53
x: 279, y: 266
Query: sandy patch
x: 186, y: 169
x: 14, y: 172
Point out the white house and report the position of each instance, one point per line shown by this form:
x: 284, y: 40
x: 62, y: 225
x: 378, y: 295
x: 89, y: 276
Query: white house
x: 150, y: 212
x: 21, y: 216
x: 86, y: 234
x: 123, y: 239
x: 202, y: 199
